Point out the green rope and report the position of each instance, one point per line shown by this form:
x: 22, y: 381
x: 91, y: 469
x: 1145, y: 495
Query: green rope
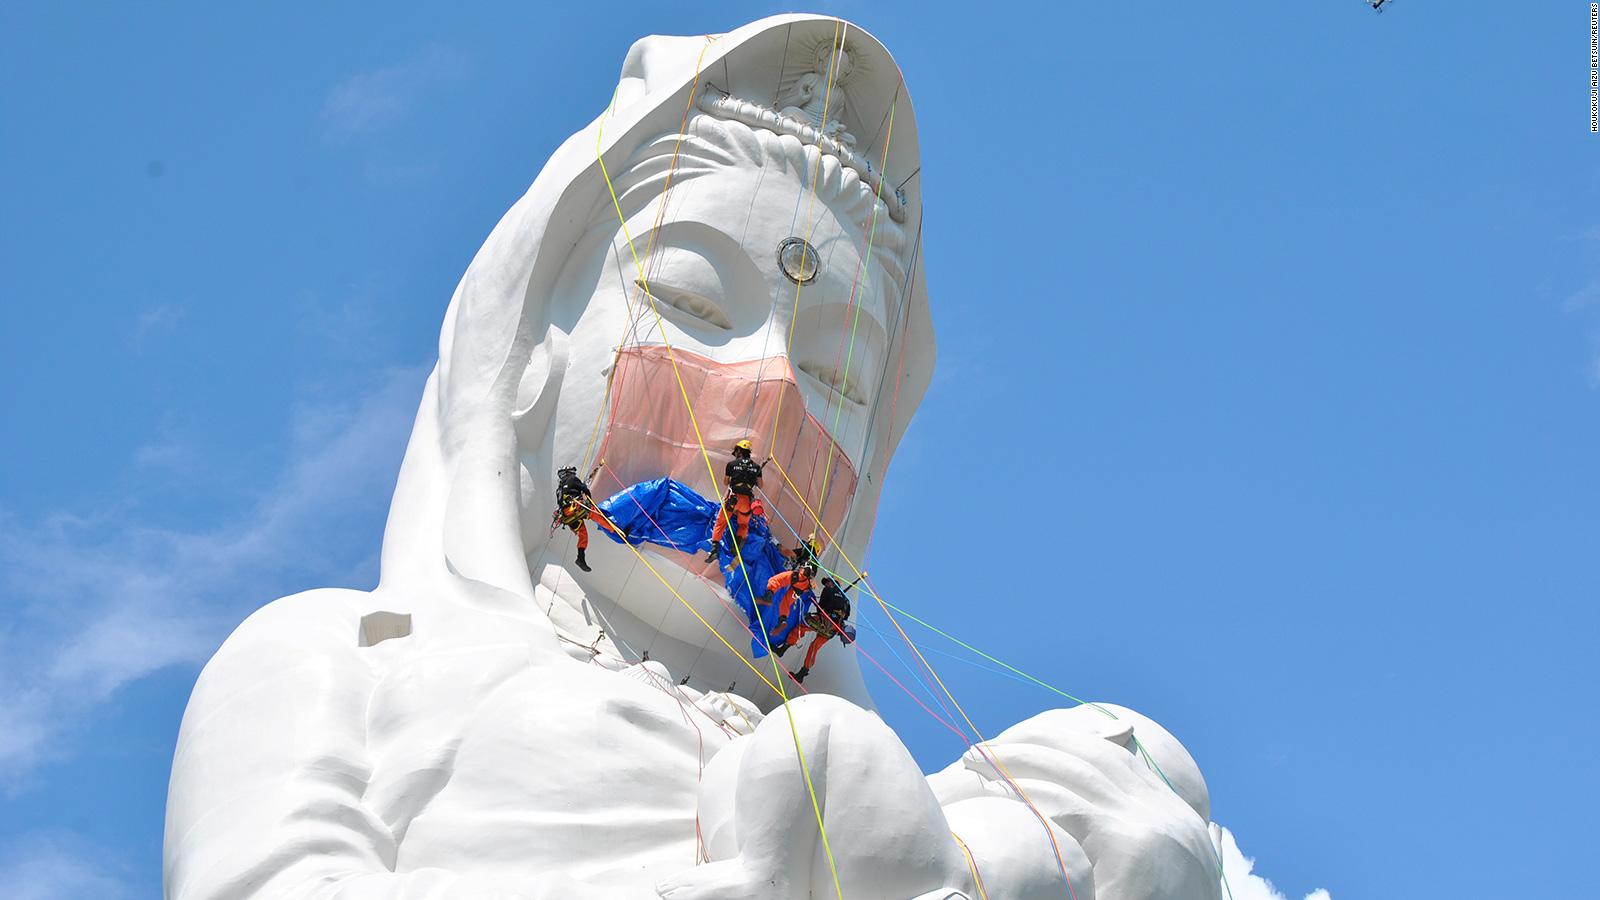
x: 861, y: 268
x: 1139, y: 746
x: 1000, y: 662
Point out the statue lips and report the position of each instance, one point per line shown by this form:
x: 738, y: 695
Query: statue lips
x: 649, y: 434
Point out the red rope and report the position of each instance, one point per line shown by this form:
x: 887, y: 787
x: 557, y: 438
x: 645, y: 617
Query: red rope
x: 704, y: 580
x: 936, y: 717
x: 999, y: 769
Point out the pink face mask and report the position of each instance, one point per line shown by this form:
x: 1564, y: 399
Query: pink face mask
x: 649, y: 434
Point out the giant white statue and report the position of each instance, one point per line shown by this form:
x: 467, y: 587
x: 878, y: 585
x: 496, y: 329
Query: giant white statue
x: 491, y: 721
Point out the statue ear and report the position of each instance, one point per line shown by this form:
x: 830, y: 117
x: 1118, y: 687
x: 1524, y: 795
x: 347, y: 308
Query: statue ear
x: 532, y: 420
x: 540, y: 388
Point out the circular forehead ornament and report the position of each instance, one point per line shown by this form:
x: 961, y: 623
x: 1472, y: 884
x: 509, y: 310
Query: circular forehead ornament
x: 798, y: 260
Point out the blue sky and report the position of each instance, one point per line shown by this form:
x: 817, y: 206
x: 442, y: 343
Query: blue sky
x: 1280, y: 323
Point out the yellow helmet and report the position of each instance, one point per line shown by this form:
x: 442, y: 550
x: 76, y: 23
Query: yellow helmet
x: 743, y: 445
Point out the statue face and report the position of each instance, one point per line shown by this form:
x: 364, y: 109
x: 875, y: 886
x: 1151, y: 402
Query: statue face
x: 808, y: 387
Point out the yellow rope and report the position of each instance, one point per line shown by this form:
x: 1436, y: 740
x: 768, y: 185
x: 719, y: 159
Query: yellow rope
x: 872, y: 234
x: 699, y: 439
x: 650, y: 248
x: 982, y: 741
x: 827, y: 96
x: 683, y: 391
x: 686, y: 603
x: 977, y: 880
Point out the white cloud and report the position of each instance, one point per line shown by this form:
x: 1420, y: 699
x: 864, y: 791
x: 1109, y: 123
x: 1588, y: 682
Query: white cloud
x: 57, y: 867
x: 163, y: 317
x: 1584, y: 302
x: 92, y: 603
x: 1583, y: 298
x: 1242, y: 881
x: 168, y: 453
x: 368, y: 101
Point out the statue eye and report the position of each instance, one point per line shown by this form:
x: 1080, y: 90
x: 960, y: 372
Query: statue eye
x: 846, y: 385
x: 798, y: 260
x: 695, y: 304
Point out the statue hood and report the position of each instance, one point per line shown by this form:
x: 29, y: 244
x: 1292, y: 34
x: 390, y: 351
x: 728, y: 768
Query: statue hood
x: 456, y: 523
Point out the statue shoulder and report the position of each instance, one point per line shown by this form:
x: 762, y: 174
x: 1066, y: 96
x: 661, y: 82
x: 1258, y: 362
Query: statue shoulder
x: 324, y: 617
x: 315, y: 630
x: 272, y: 741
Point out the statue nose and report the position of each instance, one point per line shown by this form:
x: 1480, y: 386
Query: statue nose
x: 776, y: 335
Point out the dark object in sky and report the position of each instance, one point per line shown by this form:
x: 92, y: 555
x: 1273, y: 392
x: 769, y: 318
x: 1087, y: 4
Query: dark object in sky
x: 1377, y: 5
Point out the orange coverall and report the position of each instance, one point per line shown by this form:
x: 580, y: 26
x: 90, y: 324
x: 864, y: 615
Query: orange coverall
x: 791, y: 583
x: 744, y: 506
x: 574, y: 514
x: 816, y: 642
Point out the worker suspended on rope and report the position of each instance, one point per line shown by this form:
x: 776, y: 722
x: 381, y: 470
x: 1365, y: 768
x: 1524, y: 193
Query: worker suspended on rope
x: 741, y: 477
x: 807, y: 551
x: 786, y: 586
x: 574, y: 507
x: 827, y: 619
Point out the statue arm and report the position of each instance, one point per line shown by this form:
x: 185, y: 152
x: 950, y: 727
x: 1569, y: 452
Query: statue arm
x: 272, y: 765
x: 1082, y: 771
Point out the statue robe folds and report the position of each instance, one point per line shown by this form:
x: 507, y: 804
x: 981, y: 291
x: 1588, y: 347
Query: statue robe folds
x: 670, y: 514
x: 479, y: 724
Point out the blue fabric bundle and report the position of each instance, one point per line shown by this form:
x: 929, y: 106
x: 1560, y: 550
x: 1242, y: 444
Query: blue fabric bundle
x: 762, y: 560
x: 663, y: 512
x: 670, y: 514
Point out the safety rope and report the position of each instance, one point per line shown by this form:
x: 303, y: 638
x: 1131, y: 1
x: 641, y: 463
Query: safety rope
x: 684, y: 710
x: 841, y: 30
x: 1020, y: 675
x: 617, y: 360
x: 993, y: 670
x: 999, y: 662
x: 652, y: 263
x: 766, y: 333
x: 978, y: 879
x: 632, y: 326
x: 972, y: 864
x: 915, y: 675
x: 690, y: 606
x: 713, y: 588
x: 854, y: 306
x: 903, y: 320
x: 617, y: 372
x: 898, y: 332
x: 683, y: 391
x: 668, y: 537
x: 595, y: 652
x: 862, y: 617
x: 861, y: 268
x: 853, y: 309
x: 828, y: 470
x: 908, y: 692
x: 700, y: 754
x: 909, y: 668
x: 1024, y: 676
x: 983, y: 744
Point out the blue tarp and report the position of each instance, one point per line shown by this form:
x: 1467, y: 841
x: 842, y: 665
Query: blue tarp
x: 662, y: 512
x: 670, y: 514
x: 762, y: 560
